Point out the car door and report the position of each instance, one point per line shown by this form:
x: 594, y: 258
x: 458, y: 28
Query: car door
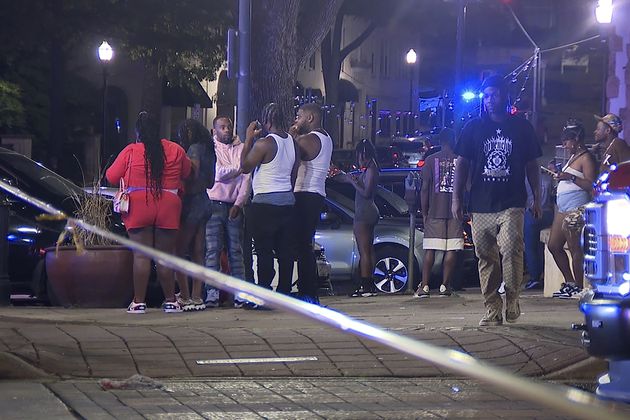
x: 334, y: 234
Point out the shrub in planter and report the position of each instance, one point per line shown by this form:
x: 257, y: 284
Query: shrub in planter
x: 85, y: 269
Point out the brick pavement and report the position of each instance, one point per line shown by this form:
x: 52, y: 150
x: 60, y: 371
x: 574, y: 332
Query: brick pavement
x: 76, y: 343
x: 278, y: 398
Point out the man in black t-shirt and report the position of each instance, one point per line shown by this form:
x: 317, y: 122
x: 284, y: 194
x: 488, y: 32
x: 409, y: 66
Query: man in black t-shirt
x: 498, y: 151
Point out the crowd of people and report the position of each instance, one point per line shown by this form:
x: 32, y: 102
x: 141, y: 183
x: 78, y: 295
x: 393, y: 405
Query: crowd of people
x: 493, y: 171
x: 211, y: 192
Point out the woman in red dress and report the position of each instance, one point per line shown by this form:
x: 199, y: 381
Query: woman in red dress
x: 154, y: 171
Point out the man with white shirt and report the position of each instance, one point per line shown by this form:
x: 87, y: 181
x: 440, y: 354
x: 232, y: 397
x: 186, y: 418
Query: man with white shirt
x: 229, y: 194
x: 315, y: 147
x: 274, y: 161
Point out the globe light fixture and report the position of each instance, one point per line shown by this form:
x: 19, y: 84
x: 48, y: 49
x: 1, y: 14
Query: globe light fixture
x: 105, y: 52
x: 411, y: 56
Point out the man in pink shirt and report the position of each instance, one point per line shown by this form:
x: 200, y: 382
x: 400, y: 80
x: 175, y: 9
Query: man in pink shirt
x: 227, y: 197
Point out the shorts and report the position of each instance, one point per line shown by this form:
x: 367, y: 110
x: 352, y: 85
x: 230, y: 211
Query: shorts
x: 443, y: 235
x: 571, y: 200
x: 196, y: 209
x: 146, y: 211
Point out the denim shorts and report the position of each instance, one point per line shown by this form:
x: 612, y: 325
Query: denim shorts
x: 196, y: 209
x: 571, y: 200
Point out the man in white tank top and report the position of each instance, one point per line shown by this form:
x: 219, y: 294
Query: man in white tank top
x: 274, y: 160
x: 315, y: 146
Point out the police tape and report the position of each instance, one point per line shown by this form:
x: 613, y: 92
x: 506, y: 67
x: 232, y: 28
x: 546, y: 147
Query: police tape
x: 563, y: 399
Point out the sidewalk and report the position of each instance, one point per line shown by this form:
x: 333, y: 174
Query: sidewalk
x: 94, y: 343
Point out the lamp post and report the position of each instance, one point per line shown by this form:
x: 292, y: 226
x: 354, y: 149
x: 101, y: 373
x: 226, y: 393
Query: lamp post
x: 105, y: 54
x: 603, y: 14
x: 411, y: 58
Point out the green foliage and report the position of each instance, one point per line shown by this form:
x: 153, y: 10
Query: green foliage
x: 11, y: 108
x: 186, y: 39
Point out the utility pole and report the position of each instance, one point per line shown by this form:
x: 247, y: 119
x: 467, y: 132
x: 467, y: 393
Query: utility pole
x: 243, y: 82
x: 459, y: 50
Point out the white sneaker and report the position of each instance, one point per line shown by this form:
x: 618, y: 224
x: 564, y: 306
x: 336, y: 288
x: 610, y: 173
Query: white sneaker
x: 579, y: 295
x: 502, y: 288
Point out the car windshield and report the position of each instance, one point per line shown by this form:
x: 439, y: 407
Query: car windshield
x: 389, y: 204
x: 37, y: 180
x: 409, y: 147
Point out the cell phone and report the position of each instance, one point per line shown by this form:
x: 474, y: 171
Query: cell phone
x: 549, y: 171
x: 258, y: 125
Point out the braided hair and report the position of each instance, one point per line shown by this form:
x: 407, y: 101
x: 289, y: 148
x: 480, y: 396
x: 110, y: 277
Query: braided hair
x: 273, y: 114
x: 147, y: 133
x: 573, y: 130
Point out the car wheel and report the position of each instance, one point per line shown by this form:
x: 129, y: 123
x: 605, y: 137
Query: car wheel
x: 391, y: 272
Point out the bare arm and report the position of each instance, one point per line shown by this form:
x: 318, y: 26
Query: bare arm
x: 462, y: 168
x: 533, y: 177
x: 424, y: 193
x: 296, y: 163
x: 367, y: 189
x: 588, y: 168
x: 253, y: 153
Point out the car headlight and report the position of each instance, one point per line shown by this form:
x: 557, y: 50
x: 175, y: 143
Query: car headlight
x: 617, y: 212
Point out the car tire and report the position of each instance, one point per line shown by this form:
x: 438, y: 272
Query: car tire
x: 391, y: 271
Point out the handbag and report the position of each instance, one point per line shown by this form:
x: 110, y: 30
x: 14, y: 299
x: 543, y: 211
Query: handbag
x: 121, y: 199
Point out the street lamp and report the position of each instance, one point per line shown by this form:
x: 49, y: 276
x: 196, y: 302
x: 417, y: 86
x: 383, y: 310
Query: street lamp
x: 105, y: 54
x: 603, y: 14
x: 411, y: 58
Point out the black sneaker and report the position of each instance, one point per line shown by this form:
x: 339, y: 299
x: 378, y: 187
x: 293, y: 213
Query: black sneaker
x: 445, y: 291
x: 422, y: 292
x: 364, y: 292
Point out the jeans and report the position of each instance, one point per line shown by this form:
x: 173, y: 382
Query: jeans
x: 308, y: 208
x: 221, y: 232
x: 533, y: 247
x: 272, y: 230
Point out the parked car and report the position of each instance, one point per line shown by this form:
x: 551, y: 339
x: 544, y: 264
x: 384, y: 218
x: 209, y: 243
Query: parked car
x: 344, y: 159
x: 390, y: 157
x: 27, y: 237
x: 413, y: 149
x: 334, y: 233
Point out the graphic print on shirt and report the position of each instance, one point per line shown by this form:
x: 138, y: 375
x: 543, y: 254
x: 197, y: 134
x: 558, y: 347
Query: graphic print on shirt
x: 444, y: 175
x: 497, y: 150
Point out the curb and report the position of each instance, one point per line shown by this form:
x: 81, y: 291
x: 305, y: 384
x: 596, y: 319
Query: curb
x: 588, y: 369
x: 13, y: 367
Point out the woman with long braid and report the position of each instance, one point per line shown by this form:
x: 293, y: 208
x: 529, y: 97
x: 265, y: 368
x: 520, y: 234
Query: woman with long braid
x: 154, y: 170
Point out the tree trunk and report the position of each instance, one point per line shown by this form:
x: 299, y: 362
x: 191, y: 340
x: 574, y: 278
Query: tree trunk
x: 151, y: 91
x: 274, y: 55
x: 278, y: 48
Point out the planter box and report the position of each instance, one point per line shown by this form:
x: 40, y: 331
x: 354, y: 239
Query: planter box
x: 100, y: 277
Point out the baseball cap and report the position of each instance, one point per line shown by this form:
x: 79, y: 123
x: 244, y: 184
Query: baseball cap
x: 612, y: 120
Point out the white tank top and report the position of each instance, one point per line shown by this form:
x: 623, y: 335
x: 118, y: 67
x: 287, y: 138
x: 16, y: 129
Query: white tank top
x: 311, y: 176
x: 275, y: 176
x: 566, y: 186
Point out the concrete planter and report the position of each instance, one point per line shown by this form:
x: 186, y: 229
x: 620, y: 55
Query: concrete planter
x: 101, y: 277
